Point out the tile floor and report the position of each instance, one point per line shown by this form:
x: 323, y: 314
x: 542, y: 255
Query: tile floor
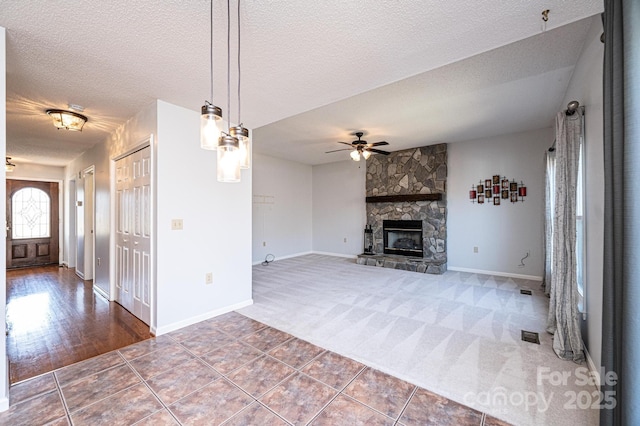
x: 232, y: 370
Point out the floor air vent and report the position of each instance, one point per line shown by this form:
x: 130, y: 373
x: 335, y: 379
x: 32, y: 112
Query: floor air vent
x: 531, y: 337
x: 527, y: 292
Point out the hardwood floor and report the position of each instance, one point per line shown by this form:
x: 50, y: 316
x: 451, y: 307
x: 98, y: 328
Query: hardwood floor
x: 55, y: 319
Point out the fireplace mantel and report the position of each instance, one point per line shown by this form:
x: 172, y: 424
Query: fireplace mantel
x: 403, y: 198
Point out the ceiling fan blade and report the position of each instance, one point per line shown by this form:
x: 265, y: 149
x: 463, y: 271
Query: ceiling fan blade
x: 378, y: 151
x: 379, y: 143
x: 345, y: 143
x: 336, y: 150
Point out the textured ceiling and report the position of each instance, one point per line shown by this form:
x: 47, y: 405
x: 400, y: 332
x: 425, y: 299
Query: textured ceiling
x: 299, y: 57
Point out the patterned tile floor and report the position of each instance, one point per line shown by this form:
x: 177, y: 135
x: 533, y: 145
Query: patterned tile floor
x: 229, y: 370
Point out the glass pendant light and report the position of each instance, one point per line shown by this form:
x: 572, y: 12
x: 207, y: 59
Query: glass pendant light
x: 228, y: 161
x: 211, y: 115
x: 366, y: 154
x: 228, y: 145
x: 355, y: 155
x: 210, y: 119
x: 242, y: 134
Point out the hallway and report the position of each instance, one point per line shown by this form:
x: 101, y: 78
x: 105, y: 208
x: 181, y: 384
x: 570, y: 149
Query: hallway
x: 55, y: 319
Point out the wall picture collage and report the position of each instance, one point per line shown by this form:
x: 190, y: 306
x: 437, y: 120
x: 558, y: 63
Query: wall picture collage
x: 497, y: 188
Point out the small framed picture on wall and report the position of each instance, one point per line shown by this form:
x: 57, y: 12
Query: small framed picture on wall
x: 496, y: 201
x: 480, y: 189
x: 505, y: 194
x: 513, y: 186
x: 514, y: 197
x: 496, y: 179
x: 487, y: 183
x: 480, y: 199
x: 505, y: 184
x: 487, y: 193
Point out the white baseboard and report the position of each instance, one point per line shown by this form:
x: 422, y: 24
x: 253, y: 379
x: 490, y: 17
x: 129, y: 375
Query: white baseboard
x: 288, y: 256
x: 499, y: 274
x: 326, y: 253
x: 595, y: 371
x: 101, y: 292
x: 80, y: 274
x: 158, y: 331
x: 4, y: 401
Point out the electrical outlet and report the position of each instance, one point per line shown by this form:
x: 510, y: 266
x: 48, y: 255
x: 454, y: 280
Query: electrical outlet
x: 475, y: 249
x: 176, y: 224
x: 208, y: 278
x: 345, y: 239
x: 98, y: 260
x: 264, y: 244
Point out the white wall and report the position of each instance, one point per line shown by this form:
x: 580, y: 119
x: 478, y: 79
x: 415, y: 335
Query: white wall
x: 27, y: 171
x: 339, y: 210
x: 282, y: 207
x: 504, y: 233
x: 137, y: 129
x: 4, y: 364
x: 217, y: 227
x: 217, y: 233
x: 586, y: 87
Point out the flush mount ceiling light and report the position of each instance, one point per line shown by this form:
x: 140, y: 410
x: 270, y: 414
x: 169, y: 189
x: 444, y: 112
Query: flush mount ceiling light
x: 67, y: 119
x: 211, y: 115
x: 9, y: 166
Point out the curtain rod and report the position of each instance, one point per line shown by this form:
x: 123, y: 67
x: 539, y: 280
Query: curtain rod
x: 572, y: 107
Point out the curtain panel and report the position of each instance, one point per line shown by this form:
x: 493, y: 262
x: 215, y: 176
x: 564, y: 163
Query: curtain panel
x: 563, y: 318
x: 621, y: 275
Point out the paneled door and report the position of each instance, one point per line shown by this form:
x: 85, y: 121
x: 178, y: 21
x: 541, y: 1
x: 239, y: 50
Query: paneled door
x: 32, y: 223
x: 133, y: 233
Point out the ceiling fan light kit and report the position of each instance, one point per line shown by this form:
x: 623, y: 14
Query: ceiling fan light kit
x: 362, y: 148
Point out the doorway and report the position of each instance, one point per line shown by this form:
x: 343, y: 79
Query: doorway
x: 32, y: 223
x: 85, y: 214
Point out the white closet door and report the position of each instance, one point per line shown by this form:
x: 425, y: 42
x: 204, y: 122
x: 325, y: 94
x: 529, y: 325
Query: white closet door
x: 133, y: 233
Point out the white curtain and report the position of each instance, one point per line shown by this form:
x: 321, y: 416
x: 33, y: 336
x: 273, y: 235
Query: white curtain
x: 563, y: 319
x: 549, y: 213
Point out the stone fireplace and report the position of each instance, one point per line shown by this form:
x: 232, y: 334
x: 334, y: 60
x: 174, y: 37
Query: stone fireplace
x: 409, y: 186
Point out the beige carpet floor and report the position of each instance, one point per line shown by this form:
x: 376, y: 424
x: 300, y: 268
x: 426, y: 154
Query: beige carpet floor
x: 457, y: 334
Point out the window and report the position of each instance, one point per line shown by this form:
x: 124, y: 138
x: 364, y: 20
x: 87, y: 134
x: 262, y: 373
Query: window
x: 30, y: 214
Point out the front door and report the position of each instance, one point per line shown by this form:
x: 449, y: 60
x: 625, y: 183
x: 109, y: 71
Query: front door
x: 32, y: 223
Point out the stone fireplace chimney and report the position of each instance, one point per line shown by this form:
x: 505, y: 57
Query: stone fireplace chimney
x: 415, y: 180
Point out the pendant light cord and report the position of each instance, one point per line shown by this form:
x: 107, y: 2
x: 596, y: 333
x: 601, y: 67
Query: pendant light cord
x: 229, y: 65
x: 211, y: 49
x: 239, y: 106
